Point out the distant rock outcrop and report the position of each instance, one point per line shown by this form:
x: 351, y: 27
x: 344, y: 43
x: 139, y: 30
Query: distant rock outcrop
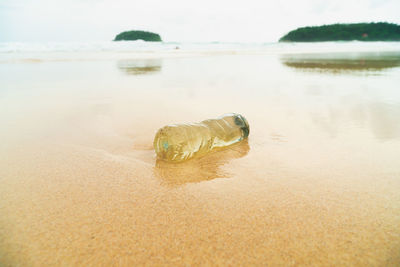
x: 380, y: 31
x: 138, y: 35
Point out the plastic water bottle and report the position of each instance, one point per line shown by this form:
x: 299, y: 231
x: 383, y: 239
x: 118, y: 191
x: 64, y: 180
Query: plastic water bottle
x: 179, y: 142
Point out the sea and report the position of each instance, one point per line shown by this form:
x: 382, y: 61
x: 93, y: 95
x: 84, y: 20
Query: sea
x: 15, y: 51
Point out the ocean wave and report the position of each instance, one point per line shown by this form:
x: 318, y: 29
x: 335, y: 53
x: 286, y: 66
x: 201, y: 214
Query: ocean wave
x: 34, y: 52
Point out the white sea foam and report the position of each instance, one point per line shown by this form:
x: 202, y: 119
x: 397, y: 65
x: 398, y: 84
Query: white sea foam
x: 15, y: 51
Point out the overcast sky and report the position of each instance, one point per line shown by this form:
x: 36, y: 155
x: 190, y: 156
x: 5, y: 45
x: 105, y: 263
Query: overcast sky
x: 181, y: 20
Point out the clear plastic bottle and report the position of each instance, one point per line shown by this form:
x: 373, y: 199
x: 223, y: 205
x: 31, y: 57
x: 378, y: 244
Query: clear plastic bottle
x: 179, y: 142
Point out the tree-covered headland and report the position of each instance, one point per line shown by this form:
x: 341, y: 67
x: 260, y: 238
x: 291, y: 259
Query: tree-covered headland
x: 138, y: 35
x: 381, y: 31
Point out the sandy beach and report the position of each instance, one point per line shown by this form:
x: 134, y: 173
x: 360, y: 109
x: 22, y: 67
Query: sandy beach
x: 316, y: 183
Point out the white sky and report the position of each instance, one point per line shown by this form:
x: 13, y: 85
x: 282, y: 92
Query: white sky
x: 181, y: 20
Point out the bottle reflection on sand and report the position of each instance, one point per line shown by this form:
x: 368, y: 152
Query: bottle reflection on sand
x: 200, y: 169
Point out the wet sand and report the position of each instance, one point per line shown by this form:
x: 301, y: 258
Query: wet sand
x: 317, y: 182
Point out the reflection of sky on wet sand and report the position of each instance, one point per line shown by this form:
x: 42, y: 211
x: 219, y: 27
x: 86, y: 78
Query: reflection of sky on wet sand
x: 140, y: 66
x: 385, y: 120
x: 382, y: 120
x: 351, y: 102
x: 339, y: 63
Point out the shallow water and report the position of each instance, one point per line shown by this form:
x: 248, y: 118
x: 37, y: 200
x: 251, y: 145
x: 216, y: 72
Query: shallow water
x: 316, y: 183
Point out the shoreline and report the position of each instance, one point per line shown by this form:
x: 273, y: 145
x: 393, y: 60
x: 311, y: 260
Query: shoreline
x: 133, y: 51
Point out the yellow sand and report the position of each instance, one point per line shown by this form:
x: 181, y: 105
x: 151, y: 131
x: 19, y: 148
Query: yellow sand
x: 317, y: 182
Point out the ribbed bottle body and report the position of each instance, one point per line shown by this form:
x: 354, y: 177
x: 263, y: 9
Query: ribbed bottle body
x: 179, y: 142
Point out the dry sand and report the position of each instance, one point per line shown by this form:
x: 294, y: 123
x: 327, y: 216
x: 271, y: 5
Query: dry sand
x: 317, y: 182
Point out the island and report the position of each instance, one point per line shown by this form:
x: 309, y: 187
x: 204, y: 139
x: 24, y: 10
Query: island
x: 138, y: 35
x: 380, y: 31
